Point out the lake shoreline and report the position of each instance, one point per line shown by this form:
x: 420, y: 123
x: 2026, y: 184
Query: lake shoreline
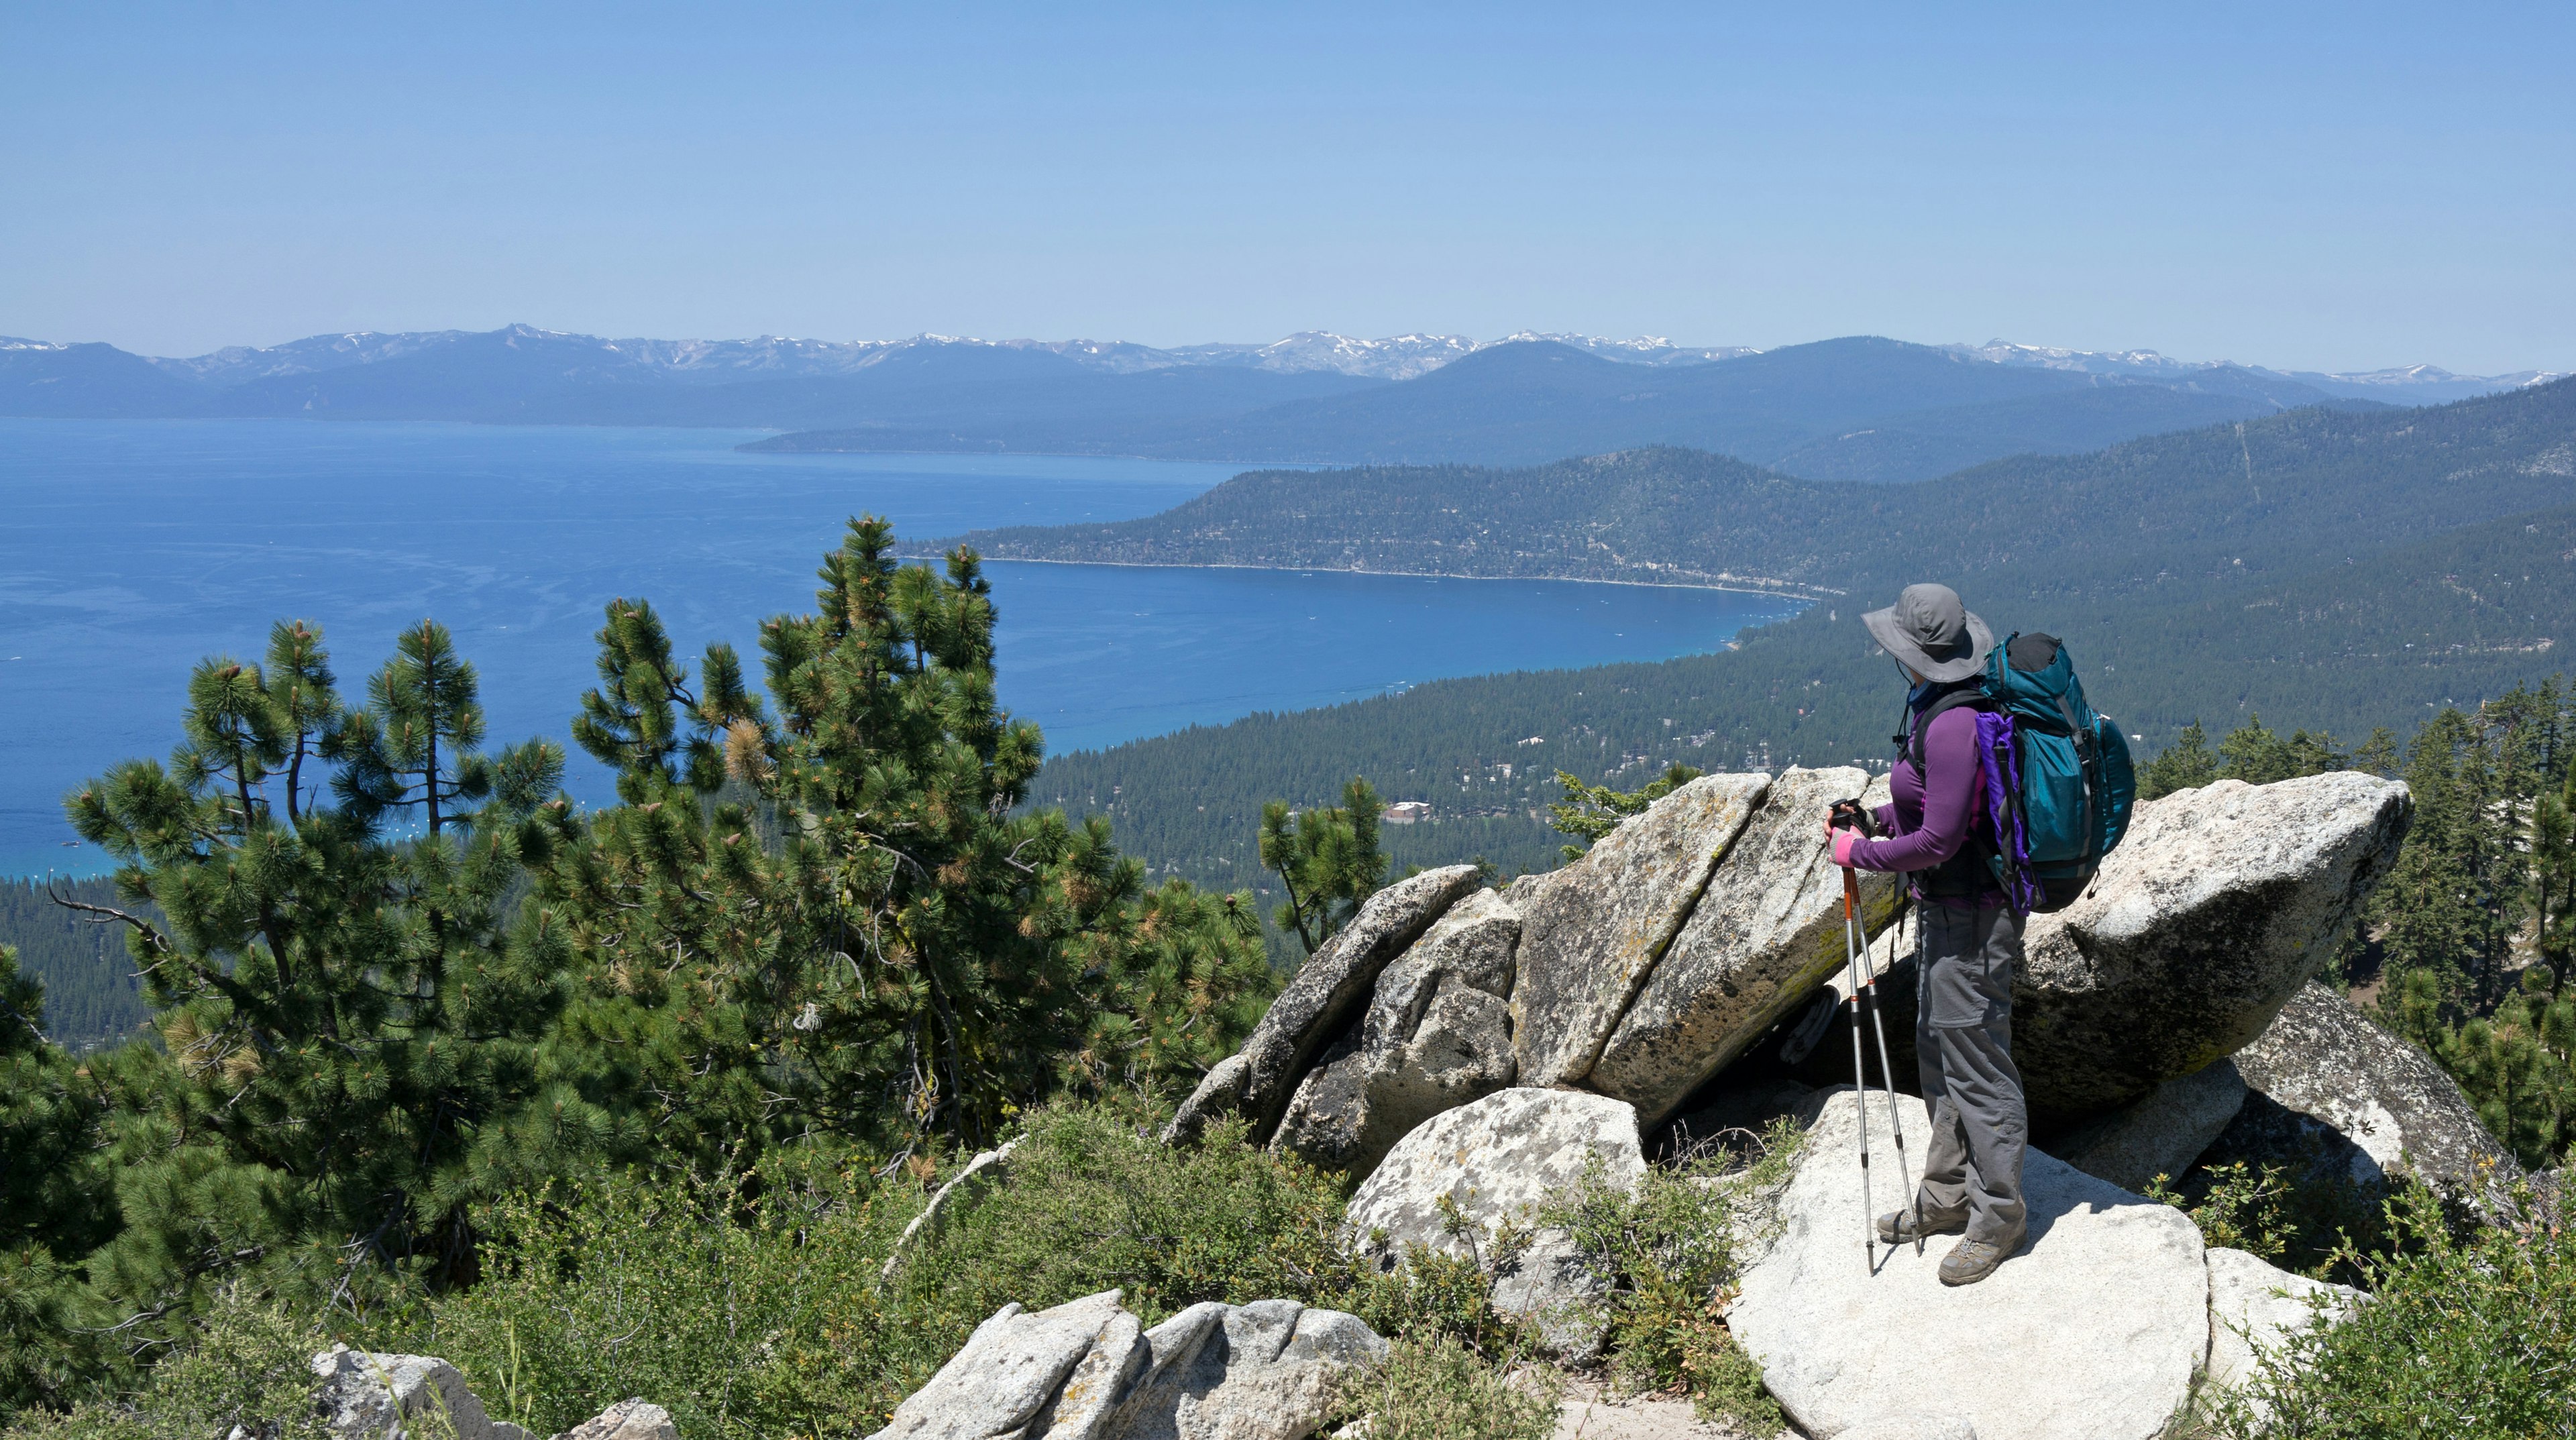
x: 911, y: 553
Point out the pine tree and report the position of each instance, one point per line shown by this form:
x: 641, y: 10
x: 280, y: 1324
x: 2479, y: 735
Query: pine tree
x: 2186, y: 764
x: 1589, y: 812
x: 349, y: 1040
x: 1327, y: 858
x: 835, y: 921
x: 56, y: 1201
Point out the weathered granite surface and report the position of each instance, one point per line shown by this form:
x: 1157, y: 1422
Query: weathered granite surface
x: 1437, y: 1035
x: 1592, y: 932
x: 1765, y: 935
x: 1328, y: 993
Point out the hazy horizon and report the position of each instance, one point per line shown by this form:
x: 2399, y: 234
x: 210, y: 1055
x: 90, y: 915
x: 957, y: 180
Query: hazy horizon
x: 2328, y: 188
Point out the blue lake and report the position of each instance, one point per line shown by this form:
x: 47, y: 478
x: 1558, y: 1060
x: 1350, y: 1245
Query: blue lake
x: 130, y: 549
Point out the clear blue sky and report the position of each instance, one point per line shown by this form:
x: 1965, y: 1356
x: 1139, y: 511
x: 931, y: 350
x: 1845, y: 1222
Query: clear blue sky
x: 2341, y: 186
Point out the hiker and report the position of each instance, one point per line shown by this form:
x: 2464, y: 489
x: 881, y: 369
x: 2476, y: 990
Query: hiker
x: 1968, y: 935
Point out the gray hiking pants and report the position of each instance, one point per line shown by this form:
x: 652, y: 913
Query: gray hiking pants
x: 1963, y: 1047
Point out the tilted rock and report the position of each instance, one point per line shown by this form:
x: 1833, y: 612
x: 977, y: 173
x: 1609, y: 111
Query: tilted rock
x: 1327, y: 994
x: 634, y: 1419
x: 373, y: 1395
x: 992, y: 1167
x: 2160, y: 1135
x: 1015, y: 1366
x: 1592, y: 932
x: 2338, y: 1098
x: 2255, y: 1306
x: 1437, y: 1035
x: 1219, y: 1093
x: 1497, y: 1162
x: 1764, y: 936
x: 2091, y: 1332
x: 1264, y: 1371
x: 2218, y: 906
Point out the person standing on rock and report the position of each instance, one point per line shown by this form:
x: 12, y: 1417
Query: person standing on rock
x: 1936, y: 832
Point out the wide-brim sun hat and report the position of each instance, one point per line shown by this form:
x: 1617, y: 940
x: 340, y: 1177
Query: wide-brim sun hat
x: 1932, y: 633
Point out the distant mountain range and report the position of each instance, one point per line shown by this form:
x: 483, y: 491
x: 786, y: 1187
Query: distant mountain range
x: 1858, y: 409
x: 1854, y: 409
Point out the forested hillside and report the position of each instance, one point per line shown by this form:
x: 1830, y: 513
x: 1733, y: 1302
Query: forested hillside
x: 91, y: 996
x: 2224, y: 504
x: 2371, y: 570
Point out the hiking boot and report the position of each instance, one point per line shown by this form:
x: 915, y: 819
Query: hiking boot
x: 1896, y: 1227
x: 1970, y: 1261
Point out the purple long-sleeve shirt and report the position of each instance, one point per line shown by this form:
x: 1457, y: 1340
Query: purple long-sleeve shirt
x: 1928, y: 818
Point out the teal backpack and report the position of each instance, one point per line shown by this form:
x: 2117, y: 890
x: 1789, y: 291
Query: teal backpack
x: 2058, y: 777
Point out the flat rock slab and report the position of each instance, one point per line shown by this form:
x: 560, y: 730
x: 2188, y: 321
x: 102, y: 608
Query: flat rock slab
x: 1326, y: 995
x: 2344, y: 1099
x: 1765, y: 934
x: 2255, y: 1307
x: 2220, y: 903
x: 1592, y: 932
x: 2092, y: 1332
x: 2160, y: 1135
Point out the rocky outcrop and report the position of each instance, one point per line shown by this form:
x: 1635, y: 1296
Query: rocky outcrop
x: 1086, y: 1370
x: 373, y: 1395
x: 1016, y: 1365
x: 634, y: 1419
x: 1592, y: 932
x: 986, y: 1170
x: 2218, y: 906
x: 1496, y: 1163
x: 1766, y: 933
x: 2092, y: 1332
x: 2335, y: 1097
x: 1263, y: 1371
x: 2255, y: 1308
x: 1328, y: 993
x: 1437, y: 1035
x: 2160, y: 1135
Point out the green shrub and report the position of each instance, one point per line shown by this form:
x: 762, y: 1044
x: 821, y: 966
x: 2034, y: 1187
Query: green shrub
x: 754, y: 1307
x: 2463, y: 1337
x: 1669, y: 1247
x: 248, y: 1365
x: 1441, y: 1390
x: 2319, y: 1226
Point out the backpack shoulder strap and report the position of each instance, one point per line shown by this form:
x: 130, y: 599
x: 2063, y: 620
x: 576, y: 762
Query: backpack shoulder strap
x: 1965, y: 697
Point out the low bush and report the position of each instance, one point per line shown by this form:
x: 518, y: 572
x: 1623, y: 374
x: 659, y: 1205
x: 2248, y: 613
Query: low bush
x: 1439, y: 1389
x: 1671, y: 1249
x: 248, y: 1365
x: 2318, y: 1225
x: 2464, y: 1336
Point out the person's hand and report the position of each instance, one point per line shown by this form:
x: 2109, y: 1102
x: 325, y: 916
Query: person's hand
x: 1843, y: 841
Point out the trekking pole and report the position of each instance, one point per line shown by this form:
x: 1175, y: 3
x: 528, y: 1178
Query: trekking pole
x: 1887, y: 1072
x: 1860, y: 1071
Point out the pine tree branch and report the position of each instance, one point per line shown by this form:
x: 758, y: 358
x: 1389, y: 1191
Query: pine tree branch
x: 161, y: 944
